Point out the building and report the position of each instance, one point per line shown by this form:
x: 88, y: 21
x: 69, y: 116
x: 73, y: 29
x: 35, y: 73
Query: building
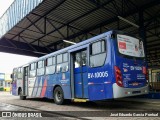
x: 7, y: 82
x: 2, y: 76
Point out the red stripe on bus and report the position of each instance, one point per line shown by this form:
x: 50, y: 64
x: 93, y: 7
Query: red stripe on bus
x: 44, y: 89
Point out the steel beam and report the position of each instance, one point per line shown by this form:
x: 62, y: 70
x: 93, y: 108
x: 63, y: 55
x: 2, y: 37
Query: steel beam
x: 55, y: 28
x: 98, y: 3
x: 40, y: 17
x: 156, y: 45
x: 17, y: 51
x: 31, y: 37
x: 142, y: 32
x: 28, y: 44
x: 22, y: 48
x: 57, y: 21
x: 85, y: 14
x: 156, y: 40
x: 147, y: 5
x: 33, y: 23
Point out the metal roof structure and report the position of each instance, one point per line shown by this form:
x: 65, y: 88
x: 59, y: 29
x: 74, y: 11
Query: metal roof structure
x: 44, y: 24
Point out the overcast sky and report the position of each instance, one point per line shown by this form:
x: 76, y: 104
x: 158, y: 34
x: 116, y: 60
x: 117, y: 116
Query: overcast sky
x: 4, y: 4
x: 9, y: 61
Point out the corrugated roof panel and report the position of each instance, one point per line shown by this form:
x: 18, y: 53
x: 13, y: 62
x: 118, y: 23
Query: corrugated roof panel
x: 47, y: 5
x: 25, y: 40
x: 16, y: 12
x: 33, y: 17
x: 9, y: 36
x: 34, y: 29
x: 24, y: 23
x: 71, y: 10
x: 152, y: 12
x: 57, y: 34
x: 31, y: 35
x: 50, y: 25
x: 50, y: 39
x: 15, y: 30
x: 91, y: 20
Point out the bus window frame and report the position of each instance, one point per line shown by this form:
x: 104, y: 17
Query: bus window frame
x: 35, y: 65
x: 67, y: 62
x: 40, y: 68
x: 42, y: 64
x: 14, y: 75
x: 90, y: 50
x: 52, y: 65
x: 20, y: 72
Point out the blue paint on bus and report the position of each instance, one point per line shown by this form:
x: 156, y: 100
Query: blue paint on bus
x: 103, y: 67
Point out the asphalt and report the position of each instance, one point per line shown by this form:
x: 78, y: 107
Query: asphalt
x: 141, y: 100
x: 12, y: 103
x: 9, y: 107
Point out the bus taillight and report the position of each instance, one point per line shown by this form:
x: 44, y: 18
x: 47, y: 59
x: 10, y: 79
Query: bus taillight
x: 118, y: 76
x: 144, y: 70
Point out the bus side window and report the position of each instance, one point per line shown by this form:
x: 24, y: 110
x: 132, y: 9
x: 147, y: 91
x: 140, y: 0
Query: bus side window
x: 84, y: 58
x: 32, y: 72
x: 97, y: 53
x: 19, y: 73
x: 65, y: 63
x: 59, y: 61
x: 15, y: 74
x: 62, y: 62
x: 40, y: 68
x: 80, y: 59
x: 77, y: 62
x: 50, y: 65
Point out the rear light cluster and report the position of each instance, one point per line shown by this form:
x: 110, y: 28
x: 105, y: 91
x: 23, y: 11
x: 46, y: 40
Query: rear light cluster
x: 147, y: 76
x: 145, y: 71
x: 118, y: 76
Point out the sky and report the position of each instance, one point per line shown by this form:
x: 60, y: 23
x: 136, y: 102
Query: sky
x: 9, y: 61
x: 4, y: 4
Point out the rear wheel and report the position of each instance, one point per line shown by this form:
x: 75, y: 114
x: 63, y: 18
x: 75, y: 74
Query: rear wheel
x: 21, y: 95
x: 58, y: 96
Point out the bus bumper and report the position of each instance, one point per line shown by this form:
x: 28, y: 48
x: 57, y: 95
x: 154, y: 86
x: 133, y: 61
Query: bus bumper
x: 119, y: 92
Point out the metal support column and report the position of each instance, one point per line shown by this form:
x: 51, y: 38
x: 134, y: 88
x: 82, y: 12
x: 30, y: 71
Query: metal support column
x: 142, y: 31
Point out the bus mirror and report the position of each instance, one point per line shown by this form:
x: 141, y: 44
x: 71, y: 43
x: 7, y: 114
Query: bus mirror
x: 11, y: 76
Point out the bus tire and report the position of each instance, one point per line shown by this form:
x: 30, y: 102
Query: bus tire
x: 21, y: 96
x: 58, y: 96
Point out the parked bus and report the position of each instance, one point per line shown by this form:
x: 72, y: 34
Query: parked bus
x: 108, y: 66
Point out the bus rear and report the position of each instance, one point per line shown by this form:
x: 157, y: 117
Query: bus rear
x: 129, y: 66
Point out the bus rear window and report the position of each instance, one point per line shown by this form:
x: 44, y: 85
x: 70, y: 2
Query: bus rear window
x: 130, y: 46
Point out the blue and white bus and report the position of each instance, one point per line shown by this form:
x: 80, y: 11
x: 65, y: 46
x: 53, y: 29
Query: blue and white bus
x: 108, y: 66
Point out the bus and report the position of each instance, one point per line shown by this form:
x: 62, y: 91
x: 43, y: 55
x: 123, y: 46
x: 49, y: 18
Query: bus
x: 108, y: 66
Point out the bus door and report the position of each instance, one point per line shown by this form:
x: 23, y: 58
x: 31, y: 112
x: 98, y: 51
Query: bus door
x: 80, y: 74
x: 79, y: 79
x: 25, y: 80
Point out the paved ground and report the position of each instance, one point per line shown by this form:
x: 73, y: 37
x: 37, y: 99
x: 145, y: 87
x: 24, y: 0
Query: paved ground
x: 90, y: 110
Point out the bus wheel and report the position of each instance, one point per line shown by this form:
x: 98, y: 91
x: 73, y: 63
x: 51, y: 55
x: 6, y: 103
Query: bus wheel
x: 58, y: 96
x: 21, y: 95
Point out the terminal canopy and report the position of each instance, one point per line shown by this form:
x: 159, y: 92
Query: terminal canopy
x: 38, y: 27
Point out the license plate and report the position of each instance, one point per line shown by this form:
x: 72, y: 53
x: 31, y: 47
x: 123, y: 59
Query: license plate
x: 136, y: 92
x: 135, y: 84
